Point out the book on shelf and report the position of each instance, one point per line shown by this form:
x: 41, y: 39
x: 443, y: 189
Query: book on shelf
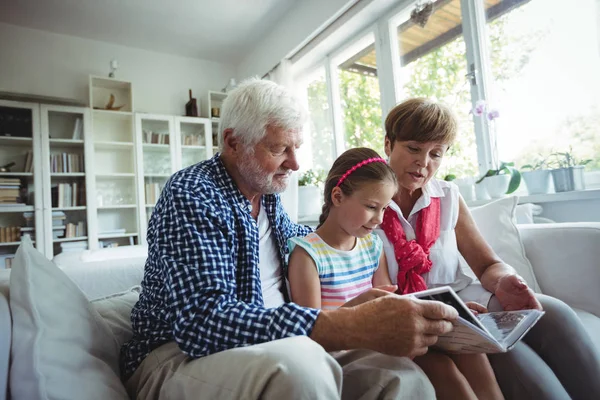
x: 78, y: 129
x: 6, y: 261
x: 28, y: 166
x: 66, y: 163
x: 493, y: 332
x: 155, y: 138
x: 9, y: 234
x: 68, y: 195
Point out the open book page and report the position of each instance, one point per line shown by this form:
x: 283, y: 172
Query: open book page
x: 484, y: 333
x: 508, y: 327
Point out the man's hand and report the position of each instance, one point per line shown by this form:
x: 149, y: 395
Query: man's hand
x: 371, y: 294
x: 389, y: 324
x: 514, y: 294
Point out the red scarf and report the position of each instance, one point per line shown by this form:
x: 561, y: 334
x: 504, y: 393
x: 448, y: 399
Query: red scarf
x: 413, y: 256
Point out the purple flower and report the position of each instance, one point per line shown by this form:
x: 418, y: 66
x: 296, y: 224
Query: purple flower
x: 493, y: 114
x: 479, y: 108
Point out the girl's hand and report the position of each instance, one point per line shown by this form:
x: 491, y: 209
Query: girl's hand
x: 514, y: 294
x: 476, y: 308
x: 371, y: 294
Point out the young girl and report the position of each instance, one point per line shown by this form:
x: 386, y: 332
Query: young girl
x: 343, y: 258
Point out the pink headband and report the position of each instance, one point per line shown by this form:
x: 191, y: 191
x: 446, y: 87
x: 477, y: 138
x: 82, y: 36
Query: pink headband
x: 357, y: 166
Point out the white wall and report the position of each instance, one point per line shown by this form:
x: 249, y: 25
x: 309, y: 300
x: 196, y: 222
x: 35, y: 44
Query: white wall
x: 42, y: 63
x: 301, y: 21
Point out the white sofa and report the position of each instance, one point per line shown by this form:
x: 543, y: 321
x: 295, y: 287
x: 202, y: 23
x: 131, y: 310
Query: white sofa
x: 565, y: 260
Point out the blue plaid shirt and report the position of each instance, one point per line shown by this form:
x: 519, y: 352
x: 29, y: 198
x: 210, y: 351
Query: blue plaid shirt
x: 201, y: 283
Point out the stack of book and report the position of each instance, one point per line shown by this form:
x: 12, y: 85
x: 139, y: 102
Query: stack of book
x: 68, y: 195
x: 6, y: 261
x: 73, y: 246
x: 9, y: 190
x: 9, y: 234
x: 75, y: 229
x: 66, y: 162
x: 156, y: 138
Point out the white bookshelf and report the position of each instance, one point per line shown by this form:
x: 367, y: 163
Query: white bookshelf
x: 20, y: 136
x: 64, y: 131
x: 112, y: 154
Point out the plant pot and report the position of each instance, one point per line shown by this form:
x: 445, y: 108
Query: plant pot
x: 497, y: 185
x: 309, y: 201
x: 466, y: 187
x: 538, y: 182
x: 568, y: 179
x: 481, y: 191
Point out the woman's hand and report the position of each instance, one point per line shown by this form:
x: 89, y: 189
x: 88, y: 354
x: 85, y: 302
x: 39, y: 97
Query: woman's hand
x: 476, y: 308
x: 514, y: 294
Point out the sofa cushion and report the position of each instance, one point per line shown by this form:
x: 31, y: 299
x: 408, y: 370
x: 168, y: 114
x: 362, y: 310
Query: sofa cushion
x: 116, y: 311
x: 591, y: 324
x: 62, y: 348
x: 496, y: 222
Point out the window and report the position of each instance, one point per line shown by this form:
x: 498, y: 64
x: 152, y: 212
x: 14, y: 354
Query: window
x: 360, y: 99
x: 545, y: 60
x: 433, y: 65
x: 318, y: 150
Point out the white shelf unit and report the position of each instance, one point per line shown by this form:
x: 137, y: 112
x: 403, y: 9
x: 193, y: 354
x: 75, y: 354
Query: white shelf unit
x: 64, y: 132
x: 114, y: 196
x: 189, y: 142
x: 156, y: 160
x: 194, y: 140
x: 214, y: 100
x: 20, y: 136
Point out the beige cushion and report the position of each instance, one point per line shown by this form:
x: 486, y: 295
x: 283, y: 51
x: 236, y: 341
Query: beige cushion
x: 62, y: 348
x: 496, y: 222
x: 116, y: 311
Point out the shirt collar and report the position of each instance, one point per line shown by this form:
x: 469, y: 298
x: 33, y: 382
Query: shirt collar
x: 433, y: 188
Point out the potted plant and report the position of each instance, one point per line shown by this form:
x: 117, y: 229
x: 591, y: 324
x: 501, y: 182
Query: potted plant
x: 569, y: 174
x: 466, y: 185
x: 309, y: 193
x: 502, y: 180
x: 537, y: 176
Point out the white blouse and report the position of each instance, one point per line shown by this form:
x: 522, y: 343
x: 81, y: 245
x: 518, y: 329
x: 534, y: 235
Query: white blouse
x: 449, y: 268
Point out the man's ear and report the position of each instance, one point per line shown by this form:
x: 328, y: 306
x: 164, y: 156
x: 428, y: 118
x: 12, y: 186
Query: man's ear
x: 337, y: 196
x: 388, y: 146
x: 230, y: 142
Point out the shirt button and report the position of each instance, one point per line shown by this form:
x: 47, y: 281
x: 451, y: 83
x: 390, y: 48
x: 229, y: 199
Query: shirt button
x: 250, y: 208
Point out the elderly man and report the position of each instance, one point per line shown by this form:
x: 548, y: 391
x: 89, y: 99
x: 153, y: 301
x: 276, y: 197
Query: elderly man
x: 213, y: 320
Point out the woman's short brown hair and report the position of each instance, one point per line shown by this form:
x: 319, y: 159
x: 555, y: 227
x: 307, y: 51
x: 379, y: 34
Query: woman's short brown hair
x: 421, y: 120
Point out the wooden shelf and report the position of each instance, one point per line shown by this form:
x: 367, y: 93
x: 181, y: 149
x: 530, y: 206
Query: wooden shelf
x: 115, y: 113
x: 66, y: 174
x: 16, y: 174
x: 118, y: 175
x: 66, y: 143
x: 71, y: 239
x: 113, y: 145
x: 16, y: 141
x: 116, y: 235
x: 117, y: 206
x: 15, y: 209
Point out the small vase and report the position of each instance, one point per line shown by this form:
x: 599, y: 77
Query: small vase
x: 568, y: 179
x: 497, y: 185
x: 537, y: 182
x: 466, y: 187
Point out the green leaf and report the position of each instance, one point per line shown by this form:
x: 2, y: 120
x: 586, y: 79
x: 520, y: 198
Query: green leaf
x: 450, y: 177
x: 515, y: 180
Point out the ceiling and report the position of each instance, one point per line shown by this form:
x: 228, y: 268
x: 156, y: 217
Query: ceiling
x: 218, y: 30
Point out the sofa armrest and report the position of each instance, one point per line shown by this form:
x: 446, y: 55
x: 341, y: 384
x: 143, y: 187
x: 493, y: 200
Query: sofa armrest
x: 566, y: 261
x: 5, y: 340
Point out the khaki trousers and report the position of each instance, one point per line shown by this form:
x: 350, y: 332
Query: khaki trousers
x: 292, y: 368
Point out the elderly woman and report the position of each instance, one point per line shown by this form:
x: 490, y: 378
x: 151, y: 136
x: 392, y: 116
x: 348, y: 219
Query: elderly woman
x: 427, y: 227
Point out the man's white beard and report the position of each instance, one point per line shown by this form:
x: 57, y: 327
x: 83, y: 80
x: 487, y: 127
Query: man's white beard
x: 258, y: 179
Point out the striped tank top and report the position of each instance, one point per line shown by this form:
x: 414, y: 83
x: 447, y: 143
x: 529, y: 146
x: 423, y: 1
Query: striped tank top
x: 343, y: 274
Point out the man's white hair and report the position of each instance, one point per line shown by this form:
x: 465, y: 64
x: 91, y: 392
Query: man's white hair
x: 256, y: 104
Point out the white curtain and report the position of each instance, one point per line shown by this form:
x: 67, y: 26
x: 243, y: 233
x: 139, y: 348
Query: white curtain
x: 282, y: 74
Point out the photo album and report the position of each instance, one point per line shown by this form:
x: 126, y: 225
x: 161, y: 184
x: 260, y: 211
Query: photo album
x: 493, y: 332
